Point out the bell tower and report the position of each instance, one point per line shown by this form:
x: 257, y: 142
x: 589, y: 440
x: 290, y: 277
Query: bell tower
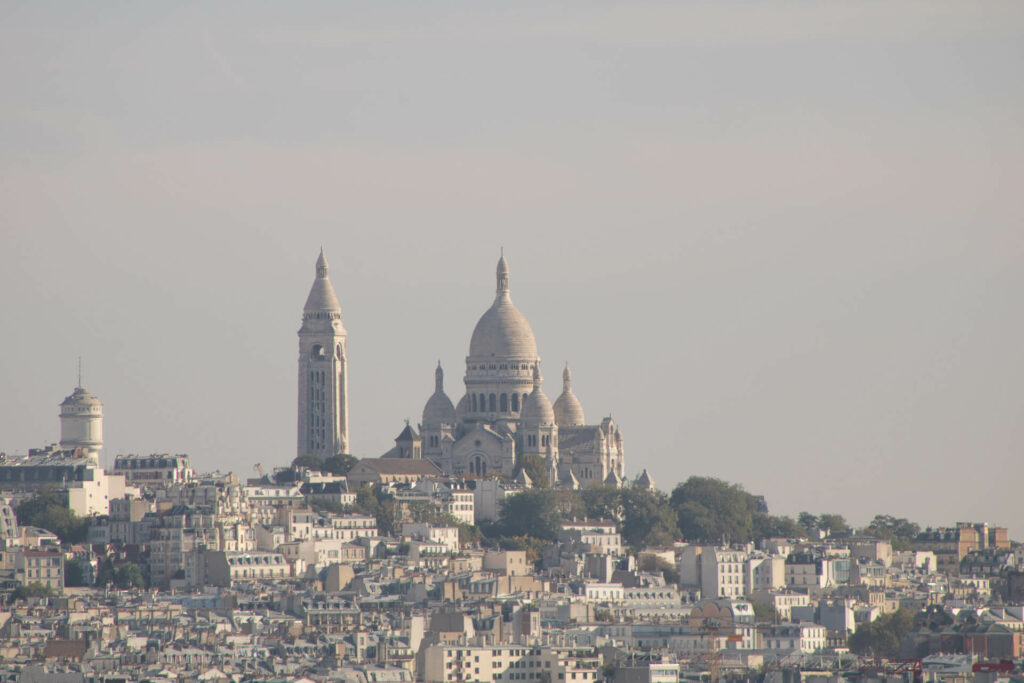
x: 323, y: 371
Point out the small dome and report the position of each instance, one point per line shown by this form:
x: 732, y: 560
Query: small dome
x: 502, y: 330
x: 439, y: 409
x: 568, y: 410
x: 537, y: 408
x: 462, y: 409
x: 81, y: 398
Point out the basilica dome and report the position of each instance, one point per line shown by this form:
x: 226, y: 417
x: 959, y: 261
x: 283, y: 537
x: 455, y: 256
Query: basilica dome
x: 537, y: 408
x: 439, y: 409
x: 568, y: 409
x: 502, y: 331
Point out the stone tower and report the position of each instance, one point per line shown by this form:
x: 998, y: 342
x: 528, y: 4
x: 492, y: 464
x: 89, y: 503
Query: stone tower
x: 323, y: 373
x: 81, y: 422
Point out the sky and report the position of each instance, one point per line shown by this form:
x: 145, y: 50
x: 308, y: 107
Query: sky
x: 781, y: 243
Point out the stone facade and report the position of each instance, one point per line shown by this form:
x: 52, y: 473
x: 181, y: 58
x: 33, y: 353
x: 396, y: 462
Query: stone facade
x: 323, y: 377
x: 505, y: 415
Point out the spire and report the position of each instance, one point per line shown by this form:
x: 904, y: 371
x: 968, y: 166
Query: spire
x: 566, y: 378
x: 439, y: 379
x: 321, y: 295
x: 79, y: 372
x: 503, y: 287
x: 536, y: 376
x: 321, y: 265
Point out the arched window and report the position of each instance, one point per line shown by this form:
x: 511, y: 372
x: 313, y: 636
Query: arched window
x: 504, y: 403
x: 515, y: 403
x: 483, y: 403
x: 524, y: 399
x: 474, y: 402
x: 492, y: 402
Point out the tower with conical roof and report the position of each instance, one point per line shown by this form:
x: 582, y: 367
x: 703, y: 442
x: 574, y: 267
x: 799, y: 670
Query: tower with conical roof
x: 81, y: 422
x: 323, y: 371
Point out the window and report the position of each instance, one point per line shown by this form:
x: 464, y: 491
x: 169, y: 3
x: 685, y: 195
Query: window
x: 492, y: 402
x: 515, y: 403
x: 504, y: 403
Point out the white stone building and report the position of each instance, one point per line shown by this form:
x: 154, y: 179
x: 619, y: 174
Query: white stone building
x: 81, y: 423
x: 323, y: 375
x: 505, y: 415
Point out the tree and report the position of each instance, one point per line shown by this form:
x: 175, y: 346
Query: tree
x: 128, y: 575
x: 537, y: 469
x: 309, y: 461
x: 882, y: 637
x: 339, y: 464
x: 772, y: 526
x: 74, y: 573
x: 897, y: 530
x: 833, y: 523
x: 533, y: 512
x: 648, y: 519
x: 603, y: 502
x: 35, y: 589
x: 48, y: 509
x: 712, y: 510
x: 807, y: 521
x: 370, y: 500
x: 764, y: 611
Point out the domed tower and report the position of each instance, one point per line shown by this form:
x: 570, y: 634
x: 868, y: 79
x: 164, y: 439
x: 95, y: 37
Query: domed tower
x: 539, y: 433
x: 439, y: 419
x: 568, y: 410
x: 502, y: 357
x: 81, y: 422
x: 323, y: 374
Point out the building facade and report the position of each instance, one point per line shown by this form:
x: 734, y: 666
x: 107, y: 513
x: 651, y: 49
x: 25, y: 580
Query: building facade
x: 505, y: 416
x: 323, y: 377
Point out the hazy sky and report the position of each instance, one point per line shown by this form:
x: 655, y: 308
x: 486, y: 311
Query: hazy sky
x: 781, y: 243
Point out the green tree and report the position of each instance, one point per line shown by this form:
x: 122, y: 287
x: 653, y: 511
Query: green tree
x: 33, y: 590
x: 772, y: 526
x: 897, y: 530
x: 48, y: 509
x: 834, y: 523
x: 128, y: 575
x: 764, y: 611
x: 808, y: 521
x: 537, y: 469
x: 882, y: 637
x: 370, y: 500
x: 74, y: 573
x: 712, y: 510
x: 603, y: 502
x: 648, y: 519
x: 309, y: 461
x: 533, y: 512
x: 339, y: 464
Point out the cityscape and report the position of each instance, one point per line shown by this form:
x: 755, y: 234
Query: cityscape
x: 560, y: 342
x: 499, y: 539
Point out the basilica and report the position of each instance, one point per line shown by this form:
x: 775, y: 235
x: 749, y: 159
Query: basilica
x: 503, y: 418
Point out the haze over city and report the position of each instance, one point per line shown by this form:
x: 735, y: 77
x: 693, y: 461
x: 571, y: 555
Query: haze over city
x: 780, y: 243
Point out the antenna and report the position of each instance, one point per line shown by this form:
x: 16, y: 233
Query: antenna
x: 79, y: 371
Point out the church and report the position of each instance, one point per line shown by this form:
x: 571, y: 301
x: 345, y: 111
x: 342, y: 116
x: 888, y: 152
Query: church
x: 503, y: 417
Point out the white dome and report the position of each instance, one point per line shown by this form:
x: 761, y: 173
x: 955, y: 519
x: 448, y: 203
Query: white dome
x: 81, y: 398
x: 537, y: 408
x: 568, y: 410
x: 439, y: 409
x: 502, y: 330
